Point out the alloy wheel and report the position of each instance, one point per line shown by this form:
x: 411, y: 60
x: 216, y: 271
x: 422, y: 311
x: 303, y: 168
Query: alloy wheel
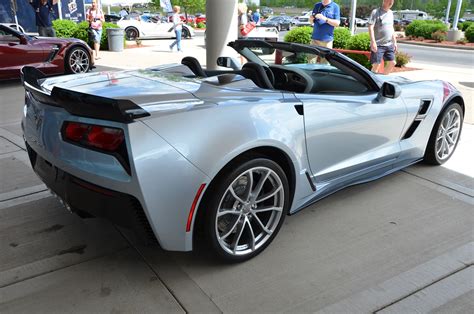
x: 448, y: 134
x: 79, y: 61
x: 250, y: 211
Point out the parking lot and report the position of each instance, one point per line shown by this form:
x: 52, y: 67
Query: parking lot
x: 404, y: 242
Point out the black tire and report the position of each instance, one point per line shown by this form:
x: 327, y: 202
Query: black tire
x: 185, y: 33
x: 131, y: 33
x: 78, y: 60
x: 250, y: 226
x: 278, y: 27
x: 433, y: 149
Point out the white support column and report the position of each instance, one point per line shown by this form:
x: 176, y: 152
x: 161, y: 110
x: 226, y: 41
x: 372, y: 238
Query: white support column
x: 446, y: 19
x: 456, y: 15
x: 353, y: 16
x: 221, y: 28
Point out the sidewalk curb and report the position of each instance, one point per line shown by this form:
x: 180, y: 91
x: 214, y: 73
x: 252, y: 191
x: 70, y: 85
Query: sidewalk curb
x: 434, y: 45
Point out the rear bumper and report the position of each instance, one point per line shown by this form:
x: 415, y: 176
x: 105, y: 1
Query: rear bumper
x: 90, y: 200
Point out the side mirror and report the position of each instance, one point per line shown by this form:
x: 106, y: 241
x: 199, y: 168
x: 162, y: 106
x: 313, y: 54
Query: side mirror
x: 228, y: 62
x: 390, y: 90
x: 23, y: 40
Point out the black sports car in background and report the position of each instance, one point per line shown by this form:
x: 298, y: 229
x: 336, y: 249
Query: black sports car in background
x: 282, y: 22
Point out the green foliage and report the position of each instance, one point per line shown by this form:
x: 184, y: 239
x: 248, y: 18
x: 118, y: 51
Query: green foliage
x: 439, y: 36
x: 81, y: 31
x: 187, y: 6
x: 300, y: 35
x: 359, y: 42
x: 341, y: 37
x: 361, y: 59
x: 424, y: 29
x: 438, y: 8
x: 465, y: 25
x: 401, y: 59
x: 201, y: 25
x: 64, y: 28
x: 469, y: 34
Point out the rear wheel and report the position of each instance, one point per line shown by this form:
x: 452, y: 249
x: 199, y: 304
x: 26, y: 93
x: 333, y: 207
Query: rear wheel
x: 245, y: 209
x: 131, y: 33
x: 185, y: 33
x: 445, y: 135
x: 78, y: 60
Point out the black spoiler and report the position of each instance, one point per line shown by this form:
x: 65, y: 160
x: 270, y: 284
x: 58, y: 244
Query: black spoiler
x: 81, y: 104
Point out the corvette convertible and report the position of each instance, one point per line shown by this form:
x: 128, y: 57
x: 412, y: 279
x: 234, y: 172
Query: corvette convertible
x: 217, y: 159
x: 51, y: 55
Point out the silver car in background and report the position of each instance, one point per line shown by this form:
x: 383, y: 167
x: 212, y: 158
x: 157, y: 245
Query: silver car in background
x: 193, y: 157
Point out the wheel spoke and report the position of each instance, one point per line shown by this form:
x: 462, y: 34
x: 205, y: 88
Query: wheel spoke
x: 228, y: 212
x: 265, y: 197
x: 265, y: 229
x: 231, y: 229
x: 267, y: 209
x: 239, y: 234
x: 259, y: 186
x: 252, y: 234
x: 231, y: 190
x: 249, y: 184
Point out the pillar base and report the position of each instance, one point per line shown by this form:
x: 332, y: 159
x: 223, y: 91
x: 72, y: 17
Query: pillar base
x: 455, y: 35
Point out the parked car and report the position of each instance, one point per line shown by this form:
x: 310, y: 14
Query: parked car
x: 112, y: 18
x: 304, y: 20
x: 200, y: 18
x: 263, y: 33
x: 184, y: 156
x: 149, y: 27
x: 362, y: 22
x: 51, y: 55
x: 281, y: 22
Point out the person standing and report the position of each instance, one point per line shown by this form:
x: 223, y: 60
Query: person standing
x: 383, y: 42
x: 178, y: 28
x: 326, y: 16
x: 43, y: 10
x: 256, y: 16
x: 123, y: 13
x: 96, y: 18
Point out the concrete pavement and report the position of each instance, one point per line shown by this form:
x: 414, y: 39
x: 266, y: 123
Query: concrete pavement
x: 397, y: 244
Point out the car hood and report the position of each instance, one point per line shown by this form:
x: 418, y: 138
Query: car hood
x: 400, y: 80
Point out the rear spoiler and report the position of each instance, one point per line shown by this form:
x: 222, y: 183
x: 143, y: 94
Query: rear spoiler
x: 81, y: 104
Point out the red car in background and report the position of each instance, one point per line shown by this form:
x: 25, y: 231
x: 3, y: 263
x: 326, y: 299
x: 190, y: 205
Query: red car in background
x: 50, y: 55
x: 182, y: 17
x: 200, y: 18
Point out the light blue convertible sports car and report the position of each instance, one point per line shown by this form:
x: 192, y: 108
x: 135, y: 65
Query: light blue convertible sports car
x: 186, y: 156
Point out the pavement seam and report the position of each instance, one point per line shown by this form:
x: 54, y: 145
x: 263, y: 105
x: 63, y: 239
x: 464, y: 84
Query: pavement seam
x: 437, y: 183
x: 152, y: 269
x: 422, y: 288
x: 61, y: 268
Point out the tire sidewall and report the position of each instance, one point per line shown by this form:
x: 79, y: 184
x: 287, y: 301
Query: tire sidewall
x: 216, y: 192
x: 430, y: 154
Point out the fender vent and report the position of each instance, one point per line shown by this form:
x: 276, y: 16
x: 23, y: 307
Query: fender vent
x: 424, y: 106
x: 412, y: 129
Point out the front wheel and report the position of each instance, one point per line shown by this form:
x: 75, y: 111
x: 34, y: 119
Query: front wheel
x: 445, y: 135
x: 78, y: 60
x: 245, y: 209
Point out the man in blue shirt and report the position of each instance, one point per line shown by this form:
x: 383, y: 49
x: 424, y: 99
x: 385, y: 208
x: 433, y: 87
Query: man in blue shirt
x: 43, y: 10
x: 326, y: 16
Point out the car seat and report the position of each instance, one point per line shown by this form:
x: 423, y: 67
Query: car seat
x: 194, y: 65
x: 257, y: 74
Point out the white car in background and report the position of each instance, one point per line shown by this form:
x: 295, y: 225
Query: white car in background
x: 362, y: 22
x: 263, y: 33
x: 149, y: 27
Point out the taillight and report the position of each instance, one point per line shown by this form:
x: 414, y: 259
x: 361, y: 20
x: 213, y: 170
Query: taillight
x: 101, y: 137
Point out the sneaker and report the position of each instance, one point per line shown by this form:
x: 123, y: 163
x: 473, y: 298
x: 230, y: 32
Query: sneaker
x: 171, y: 48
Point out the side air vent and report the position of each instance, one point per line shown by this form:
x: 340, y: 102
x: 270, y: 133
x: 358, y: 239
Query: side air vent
x: 424, y: 107
x: 412, y: 129
x: 52, y: 54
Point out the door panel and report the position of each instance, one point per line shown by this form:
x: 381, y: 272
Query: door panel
x: 351, y: 133
x: 14, y: 55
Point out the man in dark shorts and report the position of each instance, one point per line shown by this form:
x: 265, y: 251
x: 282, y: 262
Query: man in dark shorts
x: 383, y: 42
